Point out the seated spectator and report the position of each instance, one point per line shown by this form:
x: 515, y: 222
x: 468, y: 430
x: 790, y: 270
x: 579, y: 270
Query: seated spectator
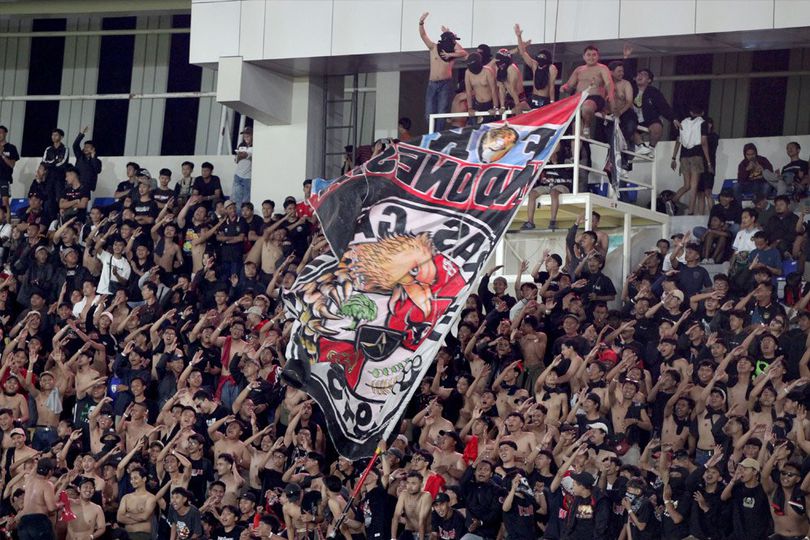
x: 793, y: 177
x: 754, y: 173
x: 781, y: 228
x: 552, y: 182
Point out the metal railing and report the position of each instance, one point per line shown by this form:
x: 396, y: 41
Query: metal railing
x: 578, y: 138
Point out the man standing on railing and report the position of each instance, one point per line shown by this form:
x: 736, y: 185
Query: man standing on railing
x: 650, y: 105
x: 595, y: 78
x: 441, y: 88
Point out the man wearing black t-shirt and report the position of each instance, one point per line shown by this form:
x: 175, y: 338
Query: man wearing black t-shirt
x: 8, y: 158
x: 795, y: 173
x: 202, y: 471
x: 750, y: 509
x: 446, y: 523
x: 253, y: 225
x: 128, y: 187
x: 231, y: 236
x: 640, y: 512
x: 146, y: 209
x: 229, y: 529
x: 589, y: 512
x: 519, y: 509
x: 75, y: 197
x: 88, y: 165
x: 207, y: 186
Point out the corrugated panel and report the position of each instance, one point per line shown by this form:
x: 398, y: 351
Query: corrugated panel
x: 79, y: 76
x: 149, y: 74
x: 14, y: 60
x: 209, y: 116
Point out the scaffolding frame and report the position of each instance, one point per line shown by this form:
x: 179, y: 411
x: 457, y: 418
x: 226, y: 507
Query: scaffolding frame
x: 589, y: 200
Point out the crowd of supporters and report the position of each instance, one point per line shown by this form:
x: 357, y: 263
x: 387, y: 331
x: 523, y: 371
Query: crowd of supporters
x: 144, y: 341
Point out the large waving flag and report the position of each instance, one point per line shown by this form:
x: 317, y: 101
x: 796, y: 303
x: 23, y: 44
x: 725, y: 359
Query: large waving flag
x: 410, y: 231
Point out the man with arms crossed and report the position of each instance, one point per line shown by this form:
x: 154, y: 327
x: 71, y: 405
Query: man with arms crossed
x: 135, y: 512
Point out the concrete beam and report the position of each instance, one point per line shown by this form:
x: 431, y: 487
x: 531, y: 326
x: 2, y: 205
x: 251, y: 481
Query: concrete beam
x: 52, y: 8
x: 255, y: 91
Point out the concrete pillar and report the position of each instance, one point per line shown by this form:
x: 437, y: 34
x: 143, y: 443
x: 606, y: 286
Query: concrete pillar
x: 386, y: 110
x: 280, y: 151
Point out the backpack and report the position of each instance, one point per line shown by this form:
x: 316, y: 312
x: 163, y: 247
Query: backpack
x: 690, y: 132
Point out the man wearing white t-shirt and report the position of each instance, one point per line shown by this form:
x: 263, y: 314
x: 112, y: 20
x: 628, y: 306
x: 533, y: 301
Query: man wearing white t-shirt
x: 115, y: 269
x: 744, y: 241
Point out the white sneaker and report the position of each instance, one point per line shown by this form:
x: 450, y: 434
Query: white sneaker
x: 624, y: 175
x: 645, y: 149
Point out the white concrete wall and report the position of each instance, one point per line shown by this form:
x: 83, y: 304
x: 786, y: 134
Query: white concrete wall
x: 272, y: 29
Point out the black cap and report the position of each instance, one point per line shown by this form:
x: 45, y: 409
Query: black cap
x: 441, y: 497
x: 584, y: 479
x: 250, y: 496
x: 292, y: 491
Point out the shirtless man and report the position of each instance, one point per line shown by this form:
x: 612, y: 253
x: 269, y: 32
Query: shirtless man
x: 232, y: 345
x: 136, y: 508
x: 789, y: 510
x: 48, y: 400
x: 299, y: 524
x: 11, y: 399
x: 21, y: 453
x: 134, y: 425
x: 596, y: 79
x: 447, y: 461
x: 89, y: 522
x: 677, y: 418
x: 526, y: 440
x: 168, y: 253
x: 431, y: 420
x: 550, y: 394
x: 39, y: 502
x: 545, y: 73
x: 509, y: 79
x: 482, y: 93
x: 230, y: 443
x: 413, y: 505
x: 625, y: 117
x: 6, y: 425
x: 442, y: 56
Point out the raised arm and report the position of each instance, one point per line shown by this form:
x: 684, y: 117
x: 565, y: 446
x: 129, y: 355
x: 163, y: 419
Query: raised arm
x: 423, y: 33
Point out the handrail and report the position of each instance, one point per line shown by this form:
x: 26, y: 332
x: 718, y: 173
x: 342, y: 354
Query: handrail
x: 578, y: 138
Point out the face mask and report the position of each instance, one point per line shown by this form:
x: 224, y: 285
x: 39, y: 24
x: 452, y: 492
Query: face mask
x: 475, y: 66
x: 543, y: 59
x: 486, y: 53
x: 631, y: 497
x: 447, y: 42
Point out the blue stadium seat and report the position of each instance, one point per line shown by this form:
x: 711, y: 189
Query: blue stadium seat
x: 788, y: 267
x: 103, y: 202
x: 18, y: 204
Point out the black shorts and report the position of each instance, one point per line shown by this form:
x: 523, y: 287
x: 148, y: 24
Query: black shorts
x: 648, y: 123
x: 539, y: 101
x: 483, y: 107
x: 598, y: 100
x: 35, y: 527
x: 5, y: 189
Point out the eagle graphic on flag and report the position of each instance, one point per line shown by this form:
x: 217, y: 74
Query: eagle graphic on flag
x: 409, y: 232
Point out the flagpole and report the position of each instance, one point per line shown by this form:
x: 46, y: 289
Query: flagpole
x: 356, y: 492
